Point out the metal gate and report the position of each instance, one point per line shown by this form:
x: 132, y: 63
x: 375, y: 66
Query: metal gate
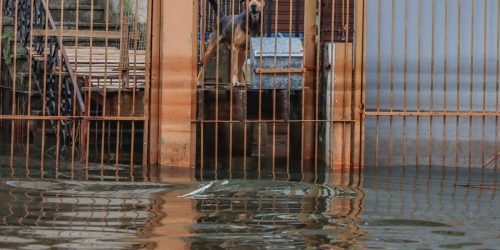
x: 75, y: 82
x: 431, y: 75
x: 296, y: 115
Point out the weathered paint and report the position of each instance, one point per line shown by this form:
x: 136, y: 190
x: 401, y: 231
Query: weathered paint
x: 177, y: 81
x: 342, y: 106
x: 310, y: 10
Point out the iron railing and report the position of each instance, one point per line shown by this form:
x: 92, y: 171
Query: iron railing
x: 60, y: 91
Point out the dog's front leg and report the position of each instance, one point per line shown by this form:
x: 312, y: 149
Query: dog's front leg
x: 200, y: 75
x: 241, y: 67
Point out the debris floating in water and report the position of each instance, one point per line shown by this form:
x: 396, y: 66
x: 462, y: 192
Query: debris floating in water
x: 265, y: 189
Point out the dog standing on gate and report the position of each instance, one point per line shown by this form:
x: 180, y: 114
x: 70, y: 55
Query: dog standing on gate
x: 237, y: 43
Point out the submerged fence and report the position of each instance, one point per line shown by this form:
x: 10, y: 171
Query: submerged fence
x: 432, y: 82
x: 330, y: 84
x: 295, y: 113
x: 74, y: 82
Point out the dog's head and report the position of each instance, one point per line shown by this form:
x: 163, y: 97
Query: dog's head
x: 255, y: 7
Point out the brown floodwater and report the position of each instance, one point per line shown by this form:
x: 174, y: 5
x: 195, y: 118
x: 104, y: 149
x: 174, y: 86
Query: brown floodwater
x: 109, y: 207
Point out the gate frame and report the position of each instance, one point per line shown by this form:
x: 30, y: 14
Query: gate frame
x: 173, y: 83
x: 359, y: 88
x: 172, y: 134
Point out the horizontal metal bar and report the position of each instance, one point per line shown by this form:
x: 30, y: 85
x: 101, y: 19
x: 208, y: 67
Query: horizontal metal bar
x: 67, y: 118
x: 77, y: 33
x: 453, y: 114
x: 20, y: 91
x: 279, y: 71
x: 273, y: 121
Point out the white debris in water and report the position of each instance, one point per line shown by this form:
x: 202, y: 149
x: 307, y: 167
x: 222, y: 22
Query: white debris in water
x: 199, y: 191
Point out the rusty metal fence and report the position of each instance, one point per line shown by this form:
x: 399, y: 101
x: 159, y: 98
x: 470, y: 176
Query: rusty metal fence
x: 431, y: 76
x: 330, y: 83
x: 267, y: 127
x: 75, y: 85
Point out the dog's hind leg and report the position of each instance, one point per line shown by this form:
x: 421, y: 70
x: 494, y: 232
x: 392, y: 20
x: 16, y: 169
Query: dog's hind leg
x: 212, y: 48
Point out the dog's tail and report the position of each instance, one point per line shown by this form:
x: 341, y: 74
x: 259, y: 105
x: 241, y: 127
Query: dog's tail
x: 216, y: 7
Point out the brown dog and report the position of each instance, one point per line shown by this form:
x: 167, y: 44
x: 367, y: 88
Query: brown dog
x: 238, y: 42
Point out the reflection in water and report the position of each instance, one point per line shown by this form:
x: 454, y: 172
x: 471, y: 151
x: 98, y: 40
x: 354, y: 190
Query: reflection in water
x: 37, y: 213
x: 388, y: 208
x: 381, y: 208
x: 266, y: 213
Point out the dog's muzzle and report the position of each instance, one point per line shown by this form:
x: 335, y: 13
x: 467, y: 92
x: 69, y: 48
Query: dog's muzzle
x: 254, y: 11
x: 255, y: 14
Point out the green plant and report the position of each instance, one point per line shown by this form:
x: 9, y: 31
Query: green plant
x: 9, y: 58
x: 19, y: 77
x: 7, y: 35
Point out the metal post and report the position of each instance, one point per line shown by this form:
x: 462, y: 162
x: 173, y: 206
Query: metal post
x: 310, y: 8
x: 177, y: 81
x: 357, y: 106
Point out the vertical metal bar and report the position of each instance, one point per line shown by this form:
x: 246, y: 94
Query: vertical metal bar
x: 44, y: 95
x: 471, y: 80
x: 147, y: 91
x: 343, y: 19
x: 332, y: 87
x: 484, y: 81
x: 105, y: 87
x: 497, y: 87
x: 124, y: 30
x: 155, y: 67
x: 14, y: 79
x: 419, y: 71
x: 288, y: 95
x: 316, y: 116
x: 445, y: 80
x: 231, y: 95
x: 30, y: 82
x: 245, y: 128
x: 363, y: 87
x: 310, y: 10
x: 392, y: 81
x: 297, y: 17
x: 89, y: 92
x: 73, y: 127
x: 378, y: 82
x: 273, y: 154
x: 59, y: 91
x: 330, y: 84
x: 357, y: 105
x: 270, y: 18
x: 203, y: 13
x: 458, y: 81
x: 432, y: 82
x: 230, y: 153
x: 217, y: 30
x: 134, y: 88
x: 347, y: 89
x: 259, y: 146
x: 405, y: 81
